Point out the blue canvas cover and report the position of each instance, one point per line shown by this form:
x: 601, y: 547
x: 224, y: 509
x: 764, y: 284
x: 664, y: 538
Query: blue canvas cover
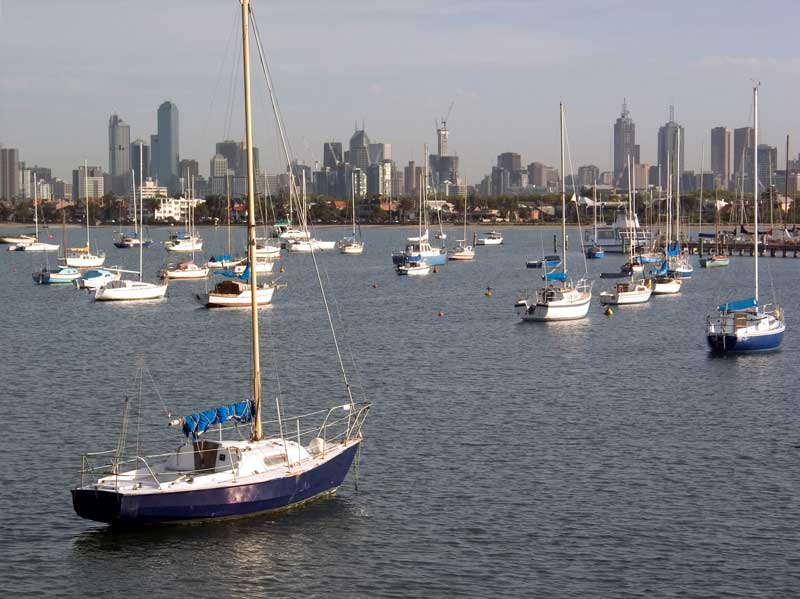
x: 196, y: 424
x: 673, y: 250
x: 220, y: 258
x: 750, y: 302
x: 555, y: 276
x: 661, y: 271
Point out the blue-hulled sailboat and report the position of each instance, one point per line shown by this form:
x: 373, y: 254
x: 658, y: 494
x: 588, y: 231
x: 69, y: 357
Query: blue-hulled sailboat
x: 230, y: 474
x: 747, y: 325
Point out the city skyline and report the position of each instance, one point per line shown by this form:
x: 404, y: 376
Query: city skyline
x: 506, y: 95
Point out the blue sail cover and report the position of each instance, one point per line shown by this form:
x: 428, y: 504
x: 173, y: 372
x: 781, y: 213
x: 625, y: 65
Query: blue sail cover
x: 673, y: 250
x: 661, y: 271
x: 195, y: 425
x: 750, y: 302
x: 555, y: 276
x: 245, y: 276
x: 220, y: 258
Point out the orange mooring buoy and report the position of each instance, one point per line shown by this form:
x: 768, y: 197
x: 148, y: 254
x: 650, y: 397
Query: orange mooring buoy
x: 374, y: 285
x: 281, y: 269
x: 488, y: 292
x: 440, y: 314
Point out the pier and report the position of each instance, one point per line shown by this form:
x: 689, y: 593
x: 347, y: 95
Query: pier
x: 703, y: 247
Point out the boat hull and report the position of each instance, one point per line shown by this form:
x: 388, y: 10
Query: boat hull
x: 211, y: 503
x: 128, y: 292
x: 730, y: 343
x: 540, y: 312
x: 241, y: 300
x: 714, y: 262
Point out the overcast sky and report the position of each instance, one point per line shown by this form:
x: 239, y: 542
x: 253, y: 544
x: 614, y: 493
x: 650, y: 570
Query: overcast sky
x: 67, y: 65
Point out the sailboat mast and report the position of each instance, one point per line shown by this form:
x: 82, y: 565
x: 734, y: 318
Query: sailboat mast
x: 631, y: 216
x: 678, y: 186
x: 669, y: 203
x: 133, y: 195
x: 353, y: 198
x: 594, y: 208
x: 228, y: 206
x: 702, y: 159
x: 86, y: 195
x: 251, y: 225
x: 35, y: 208
x: 755, y: 186
x: 563, y: 190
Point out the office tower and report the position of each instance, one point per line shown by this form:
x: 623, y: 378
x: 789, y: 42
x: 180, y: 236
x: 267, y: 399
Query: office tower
x: 154, y: 157
x: 188, y: 171
x: 219, y: 166
x: 441, y: 137
x: 359, y: 151
x: 767, y: 164
x: 379, y: 152
x: 119, y: 143
x: 624, y: 142
x: 743, y: 139
x: 667, y: 138
x: 588, y: 175
x: 9, y: 173
x: 230, y: 150
x: 721, y: 153
x: 510, y: 161
x: 168, y: 154
x: 140, y: 146
x: 91, y: 185
x: 332, y: 154
x: 411, y: 178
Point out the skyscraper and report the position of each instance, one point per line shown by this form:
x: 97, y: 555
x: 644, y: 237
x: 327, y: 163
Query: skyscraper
x: 511, y: 161
x: 137, y: 146
x: 154, y: 157
x: 667, y: 137
x: 359, y: 150
x: 721, y: 153
x: 168, y: 154
x: 624, y: 142
x: 9, y: 173
x: 332, y: 154
x: 743, y: 139
x: 119, y: 143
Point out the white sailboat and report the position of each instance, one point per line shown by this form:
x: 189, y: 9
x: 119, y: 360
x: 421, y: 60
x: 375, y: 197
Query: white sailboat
x: 36, y: 246
x: 462, y: 251
x: 560, y: 298
x: 633, y: 291
x: 82, y: 257
x: 748, y: 325
x: 187, y: 269
x: 679, y: 264
x: 227, y: 475
x: 353, y: 244
x: 128, y: 290
x: 661, y: 281
x: 188, y: 240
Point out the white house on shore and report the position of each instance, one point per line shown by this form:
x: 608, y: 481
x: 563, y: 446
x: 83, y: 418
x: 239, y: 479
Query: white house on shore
x: 175, y: 208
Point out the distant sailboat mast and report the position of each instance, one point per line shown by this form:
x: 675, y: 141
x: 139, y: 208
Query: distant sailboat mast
x: 755, y: 187
x: 563, y: 192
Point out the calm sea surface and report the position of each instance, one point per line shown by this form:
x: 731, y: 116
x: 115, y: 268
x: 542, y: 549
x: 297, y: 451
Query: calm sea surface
x: 609, y: 457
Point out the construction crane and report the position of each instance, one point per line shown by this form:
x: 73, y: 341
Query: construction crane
x: 447, y: 116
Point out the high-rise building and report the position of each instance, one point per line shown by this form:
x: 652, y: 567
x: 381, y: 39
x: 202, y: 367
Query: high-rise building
x: 721, y: 153
x: 137, y: 147
x: 743, y: 140
x: 624, y: 141
x: 441, y: 137
x: 119, y: 144
x: 588, y: 175
x: 359, y: 151
x: 332, y: 154
x: 379, y: 152
x: 230, y: 150
x: 511, y: 161
x: 767, y: 164
x: 9, y: 173
x: 219, y: 166
x: 168, y: 145
x: 154, y: 157
x: 90, y: 184
x: 412, y: 175
x: 188, y: 171
x: 668, y: 146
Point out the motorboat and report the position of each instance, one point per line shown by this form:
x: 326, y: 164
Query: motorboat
x: 413, y: 269
x: 462, y: 251
x: 234, y: 293
x: 184, y: 270
x: 308, y: 245
x: 57, y: 275
x: 628, y: 292
x: 491, y: 238
x: 98, y: 277
x: 183, y: 242
x: 553, y: 261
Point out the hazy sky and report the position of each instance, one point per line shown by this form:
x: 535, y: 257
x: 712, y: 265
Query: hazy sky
x: 67, y: 65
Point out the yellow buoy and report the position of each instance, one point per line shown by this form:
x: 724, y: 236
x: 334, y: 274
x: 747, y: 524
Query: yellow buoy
x: 488, y: 292
x: 609, y: 311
